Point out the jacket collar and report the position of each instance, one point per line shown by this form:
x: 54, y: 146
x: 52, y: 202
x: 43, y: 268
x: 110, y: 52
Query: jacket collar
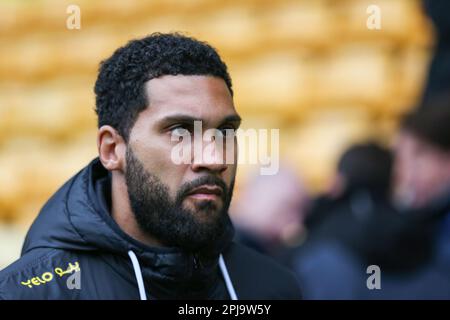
x: 167, y: 272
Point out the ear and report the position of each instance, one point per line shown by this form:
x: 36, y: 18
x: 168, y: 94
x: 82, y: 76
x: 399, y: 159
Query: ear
x: 111, y: 148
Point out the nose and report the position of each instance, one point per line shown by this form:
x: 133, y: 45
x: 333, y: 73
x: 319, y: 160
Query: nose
x: 209, y: 158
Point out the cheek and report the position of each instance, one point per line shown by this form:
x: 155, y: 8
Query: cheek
x: 157, y: 160
x: 230, y: 173
x: 403, y: 173
x: 427, y: 177
x: 432, y: 176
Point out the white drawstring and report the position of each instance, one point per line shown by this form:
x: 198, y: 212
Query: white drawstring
x: 140, y: 280
x: 227, y: 279
x: 138, y: 274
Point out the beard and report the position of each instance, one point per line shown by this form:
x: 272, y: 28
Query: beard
x: 197, y: 229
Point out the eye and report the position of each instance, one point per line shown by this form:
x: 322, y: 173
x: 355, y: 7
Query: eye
x: 228, y: 132
x: 179, y: 130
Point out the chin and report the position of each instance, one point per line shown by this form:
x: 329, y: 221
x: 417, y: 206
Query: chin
x: 204, y: 211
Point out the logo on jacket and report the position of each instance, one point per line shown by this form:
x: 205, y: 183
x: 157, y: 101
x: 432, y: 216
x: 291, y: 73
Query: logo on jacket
x: 72, y: 282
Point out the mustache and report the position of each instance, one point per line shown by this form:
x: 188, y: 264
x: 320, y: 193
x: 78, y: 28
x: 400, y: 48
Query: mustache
x: 187, y: 187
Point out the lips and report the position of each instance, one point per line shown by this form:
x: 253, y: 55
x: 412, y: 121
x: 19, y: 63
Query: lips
x: 206, y: 192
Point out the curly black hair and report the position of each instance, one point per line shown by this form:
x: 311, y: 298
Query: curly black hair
x: 119, y: 89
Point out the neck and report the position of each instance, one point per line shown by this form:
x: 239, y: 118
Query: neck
x: 122, y: 213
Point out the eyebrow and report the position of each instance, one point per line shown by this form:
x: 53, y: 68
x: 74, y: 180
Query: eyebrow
x: 184, y: 118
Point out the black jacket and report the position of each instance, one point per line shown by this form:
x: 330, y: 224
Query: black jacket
x: 75, y: 250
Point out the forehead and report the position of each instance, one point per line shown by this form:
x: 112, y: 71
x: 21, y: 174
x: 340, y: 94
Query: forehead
x: 202, y: 97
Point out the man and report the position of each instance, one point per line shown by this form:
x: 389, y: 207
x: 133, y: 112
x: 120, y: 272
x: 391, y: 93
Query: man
x: 133, y: 224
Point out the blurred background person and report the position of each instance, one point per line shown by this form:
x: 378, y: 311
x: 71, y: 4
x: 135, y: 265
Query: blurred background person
x: 409, y: 243
x: 351, y: 226
x: 422, y: 150
x: 422, y: 196
x: 269, y: 213
x: 362, y: 179
x: 422, y: 184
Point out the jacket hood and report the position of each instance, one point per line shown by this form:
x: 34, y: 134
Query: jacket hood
x: 77, y: 217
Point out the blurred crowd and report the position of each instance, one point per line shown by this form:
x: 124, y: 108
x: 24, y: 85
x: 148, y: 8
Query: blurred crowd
x: 386, y: 206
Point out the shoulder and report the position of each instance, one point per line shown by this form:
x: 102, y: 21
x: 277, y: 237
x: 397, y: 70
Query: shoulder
x: 39, y: 274
x: 258, y: 276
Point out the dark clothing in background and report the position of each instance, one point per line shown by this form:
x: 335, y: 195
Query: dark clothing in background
x: 280, y: 252
x: 369, y: 226
x: 412, y: 250
x: 438, y: 82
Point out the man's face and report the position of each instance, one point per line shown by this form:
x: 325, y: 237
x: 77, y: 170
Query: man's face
x: 183, y: 205
x: 421, y: 171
